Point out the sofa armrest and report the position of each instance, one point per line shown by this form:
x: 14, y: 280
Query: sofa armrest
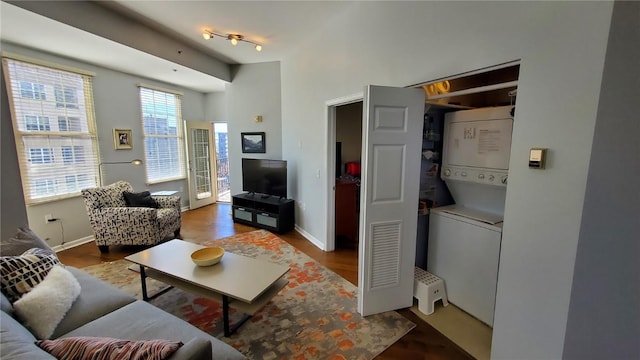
x: 168, y: 201
x: 195, y: 349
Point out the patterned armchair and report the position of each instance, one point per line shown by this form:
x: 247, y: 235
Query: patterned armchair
x: 114, y: 223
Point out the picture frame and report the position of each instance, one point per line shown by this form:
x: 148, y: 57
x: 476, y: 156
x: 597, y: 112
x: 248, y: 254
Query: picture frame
x: 122, y: 139
x: 253, y: 142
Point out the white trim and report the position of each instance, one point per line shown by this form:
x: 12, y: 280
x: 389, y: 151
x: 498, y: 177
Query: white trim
x: 310, y: 237
x: 175, y: 92
x: 345, y: 100
x: 184, y: 177
x: 469, y: 73
x: 47, y: 64
x: 74, y: 243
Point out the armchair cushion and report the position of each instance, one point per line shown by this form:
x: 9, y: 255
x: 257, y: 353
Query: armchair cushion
x: 106, y: 196
x: 141, y: 199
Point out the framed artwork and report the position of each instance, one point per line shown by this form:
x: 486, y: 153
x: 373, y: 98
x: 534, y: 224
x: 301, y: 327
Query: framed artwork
x: 122, y: 139
x: 253, y: 142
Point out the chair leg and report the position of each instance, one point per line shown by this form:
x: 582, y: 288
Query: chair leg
x: 103, y: 248
x: 176, y: 233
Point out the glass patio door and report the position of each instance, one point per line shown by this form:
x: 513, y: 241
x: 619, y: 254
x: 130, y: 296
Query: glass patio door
x: 222, y: 162
x: 201, y: 171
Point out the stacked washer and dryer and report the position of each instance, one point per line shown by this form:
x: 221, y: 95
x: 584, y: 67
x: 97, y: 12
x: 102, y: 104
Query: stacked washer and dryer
x: 465, y: 238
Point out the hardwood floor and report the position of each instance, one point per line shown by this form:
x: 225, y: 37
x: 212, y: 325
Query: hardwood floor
x: 214, y: 222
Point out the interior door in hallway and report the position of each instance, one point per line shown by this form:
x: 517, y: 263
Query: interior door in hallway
x: 391, y: 150
x: 201, y: 169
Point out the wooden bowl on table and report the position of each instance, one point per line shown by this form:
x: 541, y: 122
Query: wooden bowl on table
x: 207, y: 256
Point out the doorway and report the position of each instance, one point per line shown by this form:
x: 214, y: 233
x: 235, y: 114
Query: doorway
x: 347, y: 177
x: 201, y: 171
x: 223, y: 182
x: 333, y: 171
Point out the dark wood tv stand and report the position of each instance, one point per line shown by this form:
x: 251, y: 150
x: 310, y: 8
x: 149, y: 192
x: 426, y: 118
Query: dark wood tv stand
x: 268, y: 212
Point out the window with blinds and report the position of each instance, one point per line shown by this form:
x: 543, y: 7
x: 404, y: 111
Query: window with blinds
x: 163, y: 138
x: 54, y: 127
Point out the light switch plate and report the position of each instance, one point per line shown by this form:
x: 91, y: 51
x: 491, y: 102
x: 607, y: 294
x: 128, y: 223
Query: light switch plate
x: 537, y: 158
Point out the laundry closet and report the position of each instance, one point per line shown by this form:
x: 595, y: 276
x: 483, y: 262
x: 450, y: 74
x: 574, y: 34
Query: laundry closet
x: 462, y: 185
x: 464, y: 177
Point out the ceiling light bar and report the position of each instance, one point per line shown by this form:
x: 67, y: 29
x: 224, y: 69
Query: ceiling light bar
x: 233, y: 38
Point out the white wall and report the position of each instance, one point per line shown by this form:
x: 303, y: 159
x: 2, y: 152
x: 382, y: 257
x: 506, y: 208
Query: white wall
x: 117, y: 105
x: 255, y: 90
x: 561, y: 46
x: 215, y: 107
x: 604, y: 316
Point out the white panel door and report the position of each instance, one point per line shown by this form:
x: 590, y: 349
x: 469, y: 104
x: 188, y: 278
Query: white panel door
x: 201, y: 170
x: 391, y: 150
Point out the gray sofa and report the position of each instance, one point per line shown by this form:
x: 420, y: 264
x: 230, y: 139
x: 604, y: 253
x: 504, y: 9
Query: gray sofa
x: 102, y: 310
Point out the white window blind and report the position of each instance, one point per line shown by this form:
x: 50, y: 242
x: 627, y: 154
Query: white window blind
x: 163, y: 138
x: 54, y: 127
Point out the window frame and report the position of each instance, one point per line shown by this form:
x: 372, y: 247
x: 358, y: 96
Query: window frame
x: 149, y: 137
x: 45, y: 177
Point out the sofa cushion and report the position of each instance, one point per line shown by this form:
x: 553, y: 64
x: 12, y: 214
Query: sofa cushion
x: 24, y: 240
x: 42, y: 308
x: 140, y: 199
x: 95, y: 348
x: 20, y: 274
x: 96, y: 299
x: 16, y: 342
x: 143, y: 321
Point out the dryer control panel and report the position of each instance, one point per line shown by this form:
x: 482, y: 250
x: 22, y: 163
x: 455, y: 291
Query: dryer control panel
x: 488, y: 177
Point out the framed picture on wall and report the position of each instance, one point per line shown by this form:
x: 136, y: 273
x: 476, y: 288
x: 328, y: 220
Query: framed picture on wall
x: 253, y: 142
x: 122, y: 139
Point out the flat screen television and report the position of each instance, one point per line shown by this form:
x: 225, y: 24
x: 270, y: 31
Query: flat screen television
x: 262, y: 176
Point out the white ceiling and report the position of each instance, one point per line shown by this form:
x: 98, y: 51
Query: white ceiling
x: 278, y: 25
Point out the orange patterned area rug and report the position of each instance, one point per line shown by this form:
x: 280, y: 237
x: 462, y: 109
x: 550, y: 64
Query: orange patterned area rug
x: 313, y: 317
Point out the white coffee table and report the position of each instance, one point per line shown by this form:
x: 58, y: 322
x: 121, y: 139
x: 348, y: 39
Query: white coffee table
x: 244, y: 283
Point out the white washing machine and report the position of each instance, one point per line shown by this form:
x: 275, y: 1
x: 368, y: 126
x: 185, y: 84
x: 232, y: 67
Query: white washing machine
x: 465, y: 253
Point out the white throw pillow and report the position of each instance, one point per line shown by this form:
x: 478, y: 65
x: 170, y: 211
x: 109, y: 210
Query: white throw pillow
x: 42, y: 309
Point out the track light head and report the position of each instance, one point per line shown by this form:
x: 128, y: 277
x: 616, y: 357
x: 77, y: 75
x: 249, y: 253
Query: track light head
x: 234, y: 38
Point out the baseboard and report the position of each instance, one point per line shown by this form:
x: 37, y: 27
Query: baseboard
x: 311, y: 238
x: 73, y: 243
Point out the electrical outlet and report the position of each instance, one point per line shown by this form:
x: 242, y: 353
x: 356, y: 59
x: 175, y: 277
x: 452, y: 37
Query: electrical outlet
x: 47, y: 218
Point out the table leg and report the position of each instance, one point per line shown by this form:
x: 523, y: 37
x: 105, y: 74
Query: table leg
x: 225, y: 315
x: 228, y: 329
x: 143, y: 281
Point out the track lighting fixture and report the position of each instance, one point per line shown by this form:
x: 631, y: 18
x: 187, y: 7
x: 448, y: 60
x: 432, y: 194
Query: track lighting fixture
x: 233, y: 38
